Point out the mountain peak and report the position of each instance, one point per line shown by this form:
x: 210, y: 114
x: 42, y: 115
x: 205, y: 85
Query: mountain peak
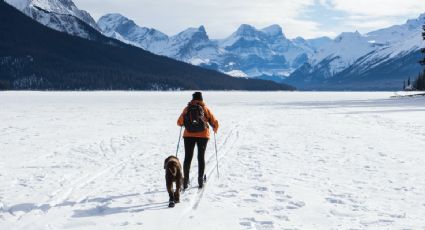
x: 113, y: 15
x: 52, y: 13
x: 246, y: 30
x: 193, y: 30
x: 115, y: 21
x: 198, y: 33
x: 202, y: 29
x: 114, y: 18
x: 273, y: 31
x: 417, y: 22
x: 349, y: 35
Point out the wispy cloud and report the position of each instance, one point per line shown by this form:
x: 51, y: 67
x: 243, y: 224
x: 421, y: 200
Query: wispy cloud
x: 367, y: 15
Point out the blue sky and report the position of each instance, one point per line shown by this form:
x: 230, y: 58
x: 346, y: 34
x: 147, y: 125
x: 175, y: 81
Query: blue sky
x: 306, y: 18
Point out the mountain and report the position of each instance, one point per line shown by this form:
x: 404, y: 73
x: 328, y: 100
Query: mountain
x: 379, y: 60
x: 33, y: 56
x: 350, y: 61
x: 192, y: 45
x: 247, y: 52
x: 261, y: 52
x: 61, y: 15
x: 126, y: 30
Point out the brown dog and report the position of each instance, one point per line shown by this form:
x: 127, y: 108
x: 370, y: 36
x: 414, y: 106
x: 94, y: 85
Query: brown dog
x: 173, y: 173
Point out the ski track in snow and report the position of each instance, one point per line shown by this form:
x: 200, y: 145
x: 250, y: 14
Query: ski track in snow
x: 94, y: 160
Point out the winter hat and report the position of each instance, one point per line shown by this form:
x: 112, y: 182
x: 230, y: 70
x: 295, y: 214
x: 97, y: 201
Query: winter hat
x: 197, y: 96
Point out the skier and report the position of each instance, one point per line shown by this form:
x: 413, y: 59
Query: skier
x: 195, y: 118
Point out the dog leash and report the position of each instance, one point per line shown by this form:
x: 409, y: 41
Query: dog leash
x: 178, y: 143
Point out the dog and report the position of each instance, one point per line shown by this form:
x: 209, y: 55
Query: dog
x: 173, y: 173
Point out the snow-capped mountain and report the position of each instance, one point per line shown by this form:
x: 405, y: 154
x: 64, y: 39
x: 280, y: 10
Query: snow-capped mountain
x: 247, y: 52
x: 388, y: 54
x: 261, y: 52
x: 124, y: 29
x: 257, y: 53
x: 267, y: 53
x: 192, y: 45
x: 61, y: 15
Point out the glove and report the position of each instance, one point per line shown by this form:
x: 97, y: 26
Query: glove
x: 215, y: 130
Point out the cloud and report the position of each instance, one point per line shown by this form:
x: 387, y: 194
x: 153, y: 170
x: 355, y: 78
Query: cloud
x: 379, y: 8
x: 368, y: 15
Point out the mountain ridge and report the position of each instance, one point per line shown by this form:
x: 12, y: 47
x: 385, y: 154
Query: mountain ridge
x: 266, y: 53
x: 65, y: 62
x: 61, y: 15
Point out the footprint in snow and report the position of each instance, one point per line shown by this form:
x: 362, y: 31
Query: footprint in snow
x: 279, y: 193
x: 282, y: 217
x: 257, y: 195
x: 277, y: 208
x: 250, y: 223
x: 261, y: 211
x: 250, y: 200
x: 261, y: 189
x: 334, y: 200
x: 295, y: 205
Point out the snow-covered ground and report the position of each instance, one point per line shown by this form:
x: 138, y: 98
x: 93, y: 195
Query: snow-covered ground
x: 94, y: 160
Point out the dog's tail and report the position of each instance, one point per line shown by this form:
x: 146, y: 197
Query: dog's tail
x: 173, y: 172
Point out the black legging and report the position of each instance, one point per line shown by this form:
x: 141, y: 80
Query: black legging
x: 189, y: 146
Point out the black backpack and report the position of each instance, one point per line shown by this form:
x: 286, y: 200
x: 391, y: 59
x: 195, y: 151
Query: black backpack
x: 194, y: 119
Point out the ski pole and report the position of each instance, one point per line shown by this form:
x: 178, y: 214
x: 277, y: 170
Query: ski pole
x: 178, y: 143
x: 216, y: 157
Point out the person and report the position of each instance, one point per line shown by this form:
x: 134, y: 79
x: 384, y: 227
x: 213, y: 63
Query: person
x: 195, y: 118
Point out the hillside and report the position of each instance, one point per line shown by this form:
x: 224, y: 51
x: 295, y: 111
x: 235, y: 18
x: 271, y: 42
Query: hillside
x: 35, y: 57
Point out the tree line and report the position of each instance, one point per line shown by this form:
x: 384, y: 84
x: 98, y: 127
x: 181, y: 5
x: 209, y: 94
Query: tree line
x: 419, y: 82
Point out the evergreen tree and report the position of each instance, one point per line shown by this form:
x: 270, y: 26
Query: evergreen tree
x: 423, y: 49
x: 420, y: 82
x: 4, y: 85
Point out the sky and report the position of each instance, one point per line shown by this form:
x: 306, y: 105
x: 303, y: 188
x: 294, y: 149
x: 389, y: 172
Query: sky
x: 305, y: 18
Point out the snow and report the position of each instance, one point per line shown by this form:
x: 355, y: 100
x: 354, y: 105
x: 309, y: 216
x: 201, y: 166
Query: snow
x: 19, y: 4
x: 269, y: 45
x: 362, y: 52
x: 273, y: 31
x: 237, y: 73
x: 125, y: 30
x: 273, y: 53
x: 61, y: 15
x: 288, y: 160
x: 343, y: 51
x: 198, y: 61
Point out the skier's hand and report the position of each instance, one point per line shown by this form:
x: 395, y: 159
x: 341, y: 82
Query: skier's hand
x: 215, y: 130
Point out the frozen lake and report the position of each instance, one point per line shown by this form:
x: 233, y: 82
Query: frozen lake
x: 288, y: 160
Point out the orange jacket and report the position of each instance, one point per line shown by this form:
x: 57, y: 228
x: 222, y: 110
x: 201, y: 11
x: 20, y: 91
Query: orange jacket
x: 208, y: 115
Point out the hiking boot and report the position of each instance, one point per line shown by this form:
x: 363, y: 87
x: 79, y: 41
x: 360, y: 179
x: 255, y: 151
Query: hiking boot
x: 201, y: 182
x: 185, y: 184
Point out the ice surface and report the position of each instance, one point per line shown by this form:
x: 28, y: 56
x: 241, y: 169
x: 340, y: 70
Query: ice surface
x: 93, y: 160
